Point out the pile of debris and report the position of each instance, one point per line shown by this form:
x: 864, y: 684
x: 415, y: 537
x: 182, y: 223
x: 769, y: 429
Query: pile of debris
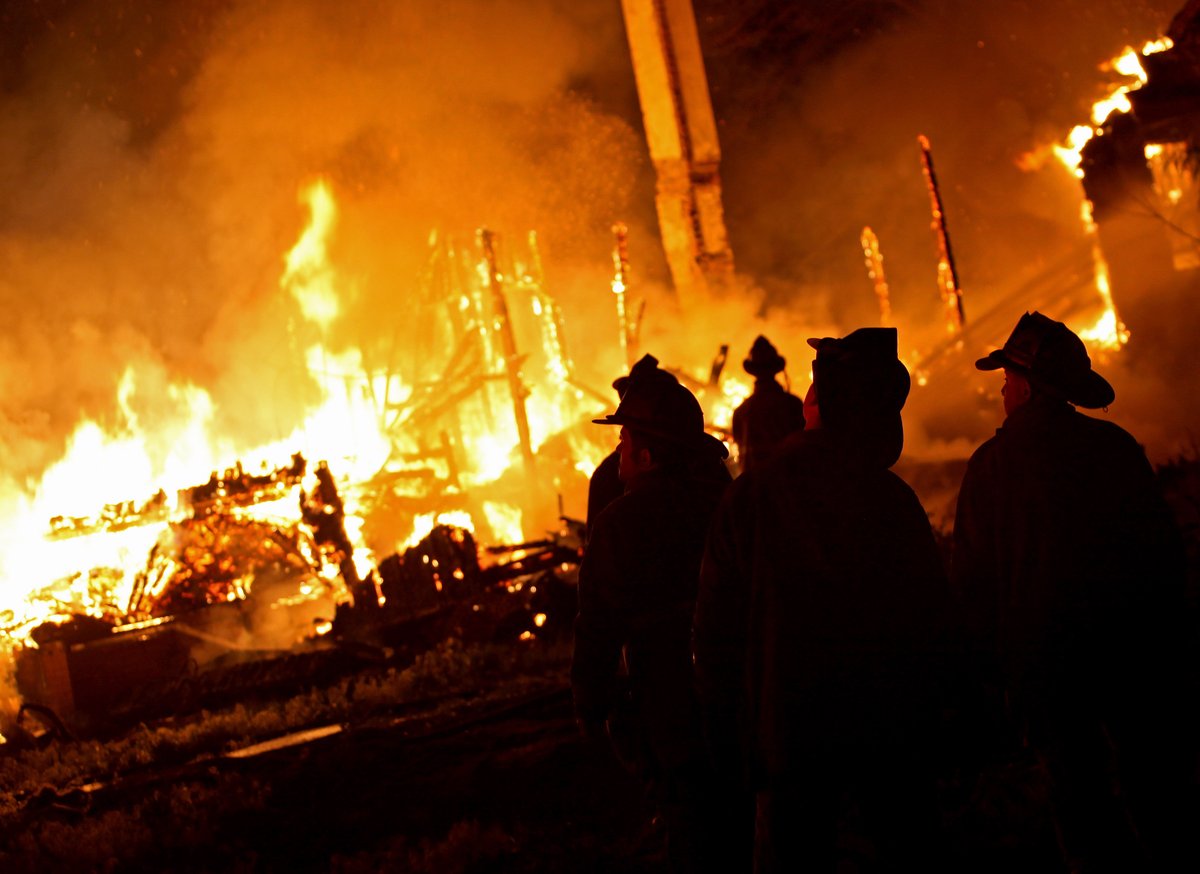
x: 229, y: 603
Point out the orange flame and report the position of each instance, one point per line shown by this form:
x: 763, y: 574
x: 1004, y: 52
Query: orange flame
x: 1107, y: 333
x: 93, y: 570
x: 1128, y: 65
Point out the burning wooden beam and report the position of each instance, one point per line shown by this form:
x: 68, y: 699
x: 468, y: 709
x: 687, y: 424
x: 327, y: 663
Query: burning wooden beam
x: 512, y: 361
x: 681, y: 133
x: 952, y: 294
x: 620, y: 288
x: 874, y: 260
x: 550, y: 314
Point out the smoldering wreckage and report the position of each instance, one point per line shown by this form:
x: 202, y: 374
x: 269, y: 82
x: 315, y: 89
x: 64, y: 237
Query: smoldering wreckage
x: 256, y: 583
x: 225, y: 601
x: 247, y: 569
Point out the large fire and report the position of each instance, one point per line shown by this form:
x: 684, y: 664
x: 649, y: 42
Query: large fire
x: 71, y: 551
x: 473, y: 438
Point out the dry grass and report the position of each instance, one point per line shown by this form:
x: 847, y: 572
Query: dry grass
x: 157, y: 831
x: 449, y: 669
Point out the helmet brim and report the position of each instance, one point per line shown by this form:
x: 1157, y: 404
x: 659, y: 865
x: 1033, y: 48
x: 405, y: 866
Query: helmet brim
x: 1093, y: 392
x: 696, y: 440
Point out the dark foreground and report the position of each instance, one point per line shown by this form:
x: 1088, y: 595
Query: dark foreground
x: 467, y: 761
x: 451, y: 758
x: 425, y: 774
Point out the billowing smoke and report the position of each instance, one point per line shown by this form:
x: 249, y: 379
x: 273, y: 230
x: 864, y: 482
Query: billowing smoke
x: 152, y: 155
x: 821, y: 105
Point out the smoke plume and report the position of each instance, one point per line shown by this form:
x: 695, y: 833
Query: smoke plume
x: 153, y: 153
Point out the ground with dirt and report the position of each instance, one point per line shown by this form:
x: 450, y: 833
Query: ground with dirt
x: 439, y: 774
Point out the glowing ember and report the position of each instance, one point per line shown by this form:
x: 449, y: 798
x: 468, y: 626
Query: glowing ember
x: 874, y: 261
x: 947, y: 274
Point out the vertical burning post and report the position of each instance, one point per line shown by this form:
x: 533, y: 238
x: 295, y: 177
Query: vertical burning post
x: 512, y: 362
x: 548, y: 311
x: 681, y: 133
x: 947, y: 273
x: 874, y: 261
x: 620, y: 288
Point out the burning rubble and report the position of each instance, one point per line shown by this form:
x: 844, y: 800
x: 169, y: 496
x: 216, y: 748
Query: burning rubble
x: 230, y: 579
x: 261, y: 561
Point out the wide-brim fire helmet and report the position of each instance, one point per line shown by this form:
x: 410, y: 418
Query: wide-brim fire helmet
x: 1052, y: 357
x: 764, y: 359
x: 656, y: 403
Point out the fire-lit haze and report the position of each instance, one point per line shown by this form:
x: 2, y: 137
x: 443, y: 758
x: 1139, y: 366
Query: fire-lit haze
x: 222, y: 221
x: 819, y: 138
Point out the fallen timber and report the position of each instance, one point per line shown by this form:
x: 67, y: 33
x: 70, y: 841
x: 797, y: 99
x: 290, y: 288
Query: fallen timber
x: 315, y: 816
x: 418, y: 721
x: 192, y: 636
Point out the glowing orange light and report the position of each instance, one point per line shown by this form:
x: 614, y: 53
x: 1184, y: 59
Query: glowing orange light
x: 1129, y: 65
